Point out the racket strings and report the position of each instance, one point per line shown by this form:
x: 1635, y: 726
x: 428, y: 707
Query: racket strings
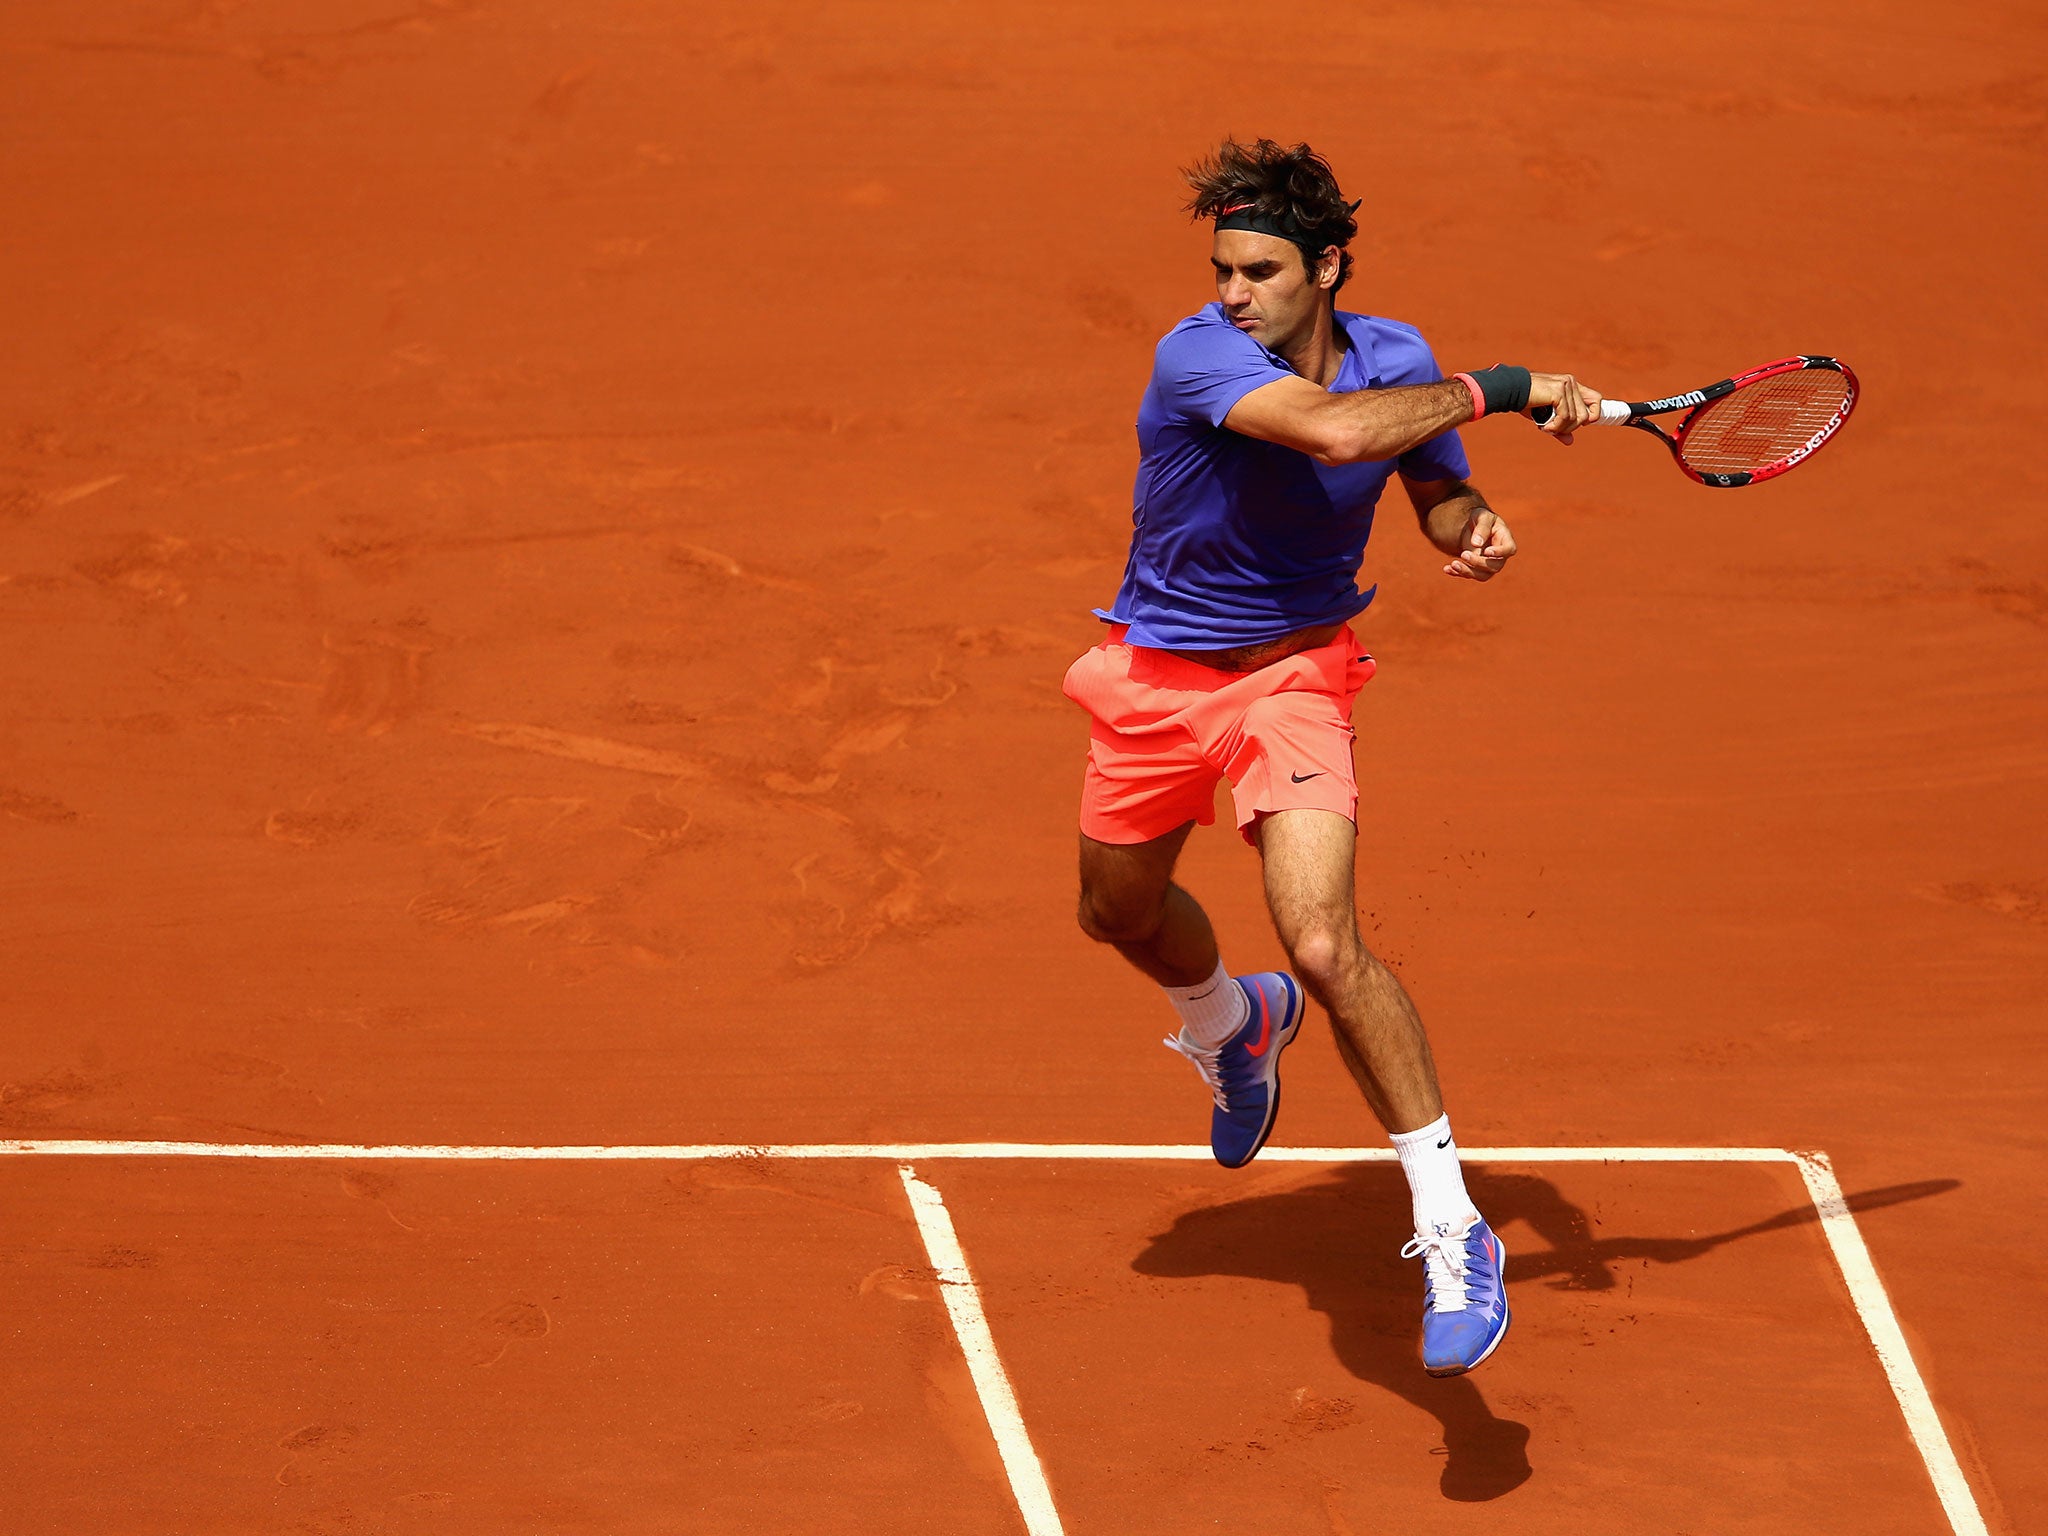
x: 1762, y: 423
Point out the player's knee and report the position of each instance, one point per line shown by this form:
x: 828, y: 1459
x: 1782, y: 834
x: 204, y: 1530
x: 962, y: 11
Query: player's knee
x: 1323, y: 954
x: 1109, y: 918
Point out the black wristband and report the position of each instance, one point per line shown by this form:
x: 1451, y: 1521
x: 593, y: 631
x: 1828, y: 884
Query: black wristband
x: 1505, y: 387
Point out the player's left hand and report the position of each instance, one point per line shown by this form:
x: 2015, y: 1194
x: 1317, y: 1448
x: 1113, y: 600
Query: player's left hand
x: 1484, y: 549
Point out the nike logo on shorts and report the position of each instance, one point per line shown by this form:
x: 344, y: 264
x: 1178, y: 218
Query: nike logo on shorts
x: 1303, y: 778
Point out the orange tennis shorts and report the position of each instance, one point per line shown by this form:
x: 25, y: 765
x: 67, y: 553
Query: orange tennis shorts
x: 1166, y: 729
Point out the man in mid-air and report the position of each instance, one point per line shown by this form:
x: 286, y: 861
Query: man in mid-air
x: 1272, y: 423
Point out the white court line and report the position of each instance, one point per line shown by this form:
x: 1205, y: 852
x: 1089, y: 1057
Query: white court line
x: 894, y: 1152
x: 1838, y: 1223
x: 1874, y: 1306
x: 991, y: 1382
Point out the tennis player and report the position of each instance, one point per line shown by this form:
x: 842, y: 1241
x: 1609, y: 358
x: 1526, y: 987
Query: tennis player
x: 1271, y: 425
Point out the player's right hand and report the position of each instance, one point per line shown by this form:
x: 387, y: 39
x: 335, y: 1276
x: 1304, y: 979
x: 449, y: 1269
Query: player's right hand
x: 1572, y: 404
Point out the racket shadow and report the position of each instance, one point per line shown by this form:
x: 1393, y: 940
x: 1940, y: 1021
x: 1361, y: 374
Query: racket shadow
x: 1578, y: 1261
x: 1338, y: 1239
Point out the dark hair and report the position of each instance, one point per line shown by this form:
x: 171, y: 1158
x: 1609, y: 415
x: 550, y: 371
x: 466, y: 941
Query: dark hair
x: 1295, y: 186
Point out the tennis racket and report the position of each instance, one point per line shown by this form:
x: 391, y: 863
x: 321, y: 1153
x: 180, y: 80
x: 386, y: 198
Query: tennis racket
x: 1750, y: 428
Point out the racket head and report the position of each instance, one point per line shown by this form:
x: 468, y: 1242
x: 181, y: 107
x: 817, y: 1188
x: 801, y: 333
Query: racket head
x: 1772, y: 419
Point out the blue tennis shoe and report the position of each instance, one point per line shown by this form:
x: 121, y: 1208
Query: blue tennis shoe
x: 1465, y: 1306
x: 1243, y: 1073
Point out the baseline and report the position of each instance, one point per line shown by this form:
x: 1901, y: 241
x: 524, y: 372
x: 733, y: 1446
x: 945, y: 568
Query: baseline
x: 894, y: 1152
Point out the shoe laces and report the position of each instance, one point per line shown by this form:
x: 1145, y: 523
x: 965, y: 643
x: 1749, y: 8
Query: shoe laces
x: 1445, y: 1266
x: 1208, y: 1062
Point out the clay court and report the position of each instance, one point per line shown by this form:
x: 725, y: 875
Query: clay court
x: 538, y: 546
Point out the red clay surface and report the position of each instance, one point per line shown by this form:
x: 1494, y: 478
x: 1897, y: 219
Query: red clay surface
x: 537, y: 546
x: 605, y: 1347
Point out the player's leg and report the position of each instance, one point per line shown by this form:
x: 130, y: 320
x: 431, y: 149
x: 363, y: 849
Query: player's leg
x: 1309, y: 859
x: 1129, y: 900
x: 1233, y: 1028
x: 1149, y: 781
x: 1309, y: 871
x: 1147, y: 785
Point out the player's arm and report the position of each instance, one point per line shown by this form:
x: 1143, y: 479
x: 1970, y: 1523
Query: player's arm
x: 1457, y: 520
x: 1367, y: 424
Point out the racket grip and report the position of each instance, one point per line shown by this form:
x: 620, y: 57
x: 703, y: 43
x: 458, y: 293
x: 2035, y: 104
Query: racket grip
x: 1611, y: 411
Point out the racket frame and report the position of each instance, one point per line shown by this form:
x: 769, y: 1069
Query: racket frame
x: 1693, y: 402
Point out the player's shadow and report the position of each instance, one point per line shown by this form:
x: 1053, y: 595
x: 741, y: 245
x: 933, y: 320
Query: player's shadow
x: 1331, y: 1238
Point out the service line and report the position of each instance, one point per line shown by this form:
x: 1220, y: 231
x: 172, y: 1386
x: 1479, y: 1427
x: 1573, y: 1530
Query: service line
x: 991, y: 1381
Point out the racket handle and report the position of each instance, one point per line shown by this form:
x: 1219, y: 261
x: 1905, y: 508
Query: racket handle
x: 1611, y: 411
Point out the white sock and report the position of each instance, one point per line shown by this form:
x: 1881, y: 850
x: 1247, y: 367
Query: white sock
x: 1436, y: 1184
x: 1210, y: 1011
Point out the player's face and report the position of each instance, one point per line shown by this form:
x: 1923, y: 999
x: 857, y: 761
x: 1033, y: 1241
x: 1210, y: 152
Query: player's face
x: 1267, y: 290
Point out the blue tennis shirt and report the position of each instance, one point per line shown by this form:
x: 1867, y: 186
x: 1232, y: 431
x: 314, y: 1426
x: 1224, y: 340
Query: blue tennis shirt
x: 1236, y: 541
